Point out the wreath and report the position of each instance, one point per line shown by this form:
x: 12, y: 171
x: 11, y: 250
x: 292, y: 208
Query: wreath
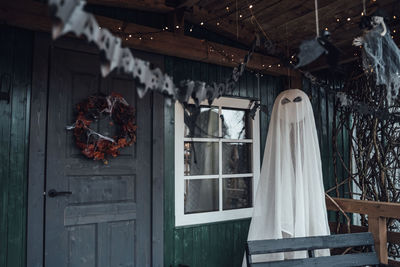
x: 95, y: 145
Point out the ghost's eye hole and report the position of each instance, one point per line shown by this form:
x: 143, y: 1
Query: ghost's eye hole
x: 297, y: 99
x: 285, y: 101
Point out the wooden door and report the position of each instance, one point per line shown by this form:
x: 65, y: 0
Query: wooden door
x: 106, y: 221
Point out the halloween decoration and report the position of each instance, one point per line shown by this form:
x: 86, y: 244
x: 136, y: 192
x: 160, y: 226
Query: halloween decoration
x: 70, y: 17
x: 381, y: 56
x: 95, y: 145
x: 312, y: 49
x: 369, y: 126
x: 290, y: 200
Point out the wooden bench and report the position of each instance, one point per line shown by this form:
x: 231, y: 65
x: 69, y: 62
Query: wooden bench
x: 310, y: 244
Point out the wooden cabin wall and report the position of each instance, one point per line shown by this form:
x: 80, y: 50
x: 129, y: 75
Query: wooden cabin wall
x: 215, y: 244
x: 222, y: 243
x: 15, y: 76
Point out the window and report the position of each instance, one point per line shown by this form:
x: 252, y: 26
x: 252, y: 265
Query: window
x: 217, y: 161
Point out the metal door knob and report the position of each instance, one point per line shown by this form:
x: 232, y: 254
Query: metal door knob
x: 55, y: 193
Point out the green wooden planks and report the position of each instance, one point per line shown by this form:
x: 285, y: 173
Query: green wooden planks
x: 216, y: 244
x: 222, y: 244
x: 7, y: 37
x: 15, y: 64
x: 169, y: 197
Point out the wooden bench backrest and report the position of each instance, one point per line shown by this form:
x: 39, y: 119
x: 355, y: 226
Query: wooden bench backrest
x: 312, y: 243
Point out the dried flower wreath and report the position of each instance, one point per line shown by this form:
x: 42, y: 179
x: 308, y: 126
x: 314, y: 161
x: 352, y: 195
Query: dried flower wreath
x: 95, y: 145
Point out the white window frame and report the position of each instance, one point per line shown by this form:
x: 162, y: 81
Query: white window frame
x: 182, y: 219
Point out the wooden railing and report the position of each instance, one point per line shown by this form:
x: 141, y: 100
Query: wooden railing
x: 378, y: 213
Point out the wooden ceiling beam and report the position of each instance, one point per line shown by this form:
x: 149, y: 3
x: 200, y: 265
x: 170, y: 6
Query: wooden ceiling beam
x: 158, y: 6
x: 34, y: 16
x: 194, y: 14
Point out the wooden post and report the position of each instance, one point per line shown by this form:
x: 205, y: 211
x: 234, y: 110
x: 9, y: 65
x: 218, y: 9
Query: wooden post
x: 176, y: 21
x: 377, y: 226
x: 296, y: 80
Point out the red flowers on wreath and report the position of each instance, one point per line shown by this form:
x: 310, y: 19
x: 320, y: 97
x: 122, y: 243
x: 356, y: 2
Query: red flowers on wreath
x: 95, y: 145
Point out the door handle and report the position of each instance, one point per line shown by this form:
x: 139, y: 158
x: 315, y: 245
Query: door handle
x: 55, y: 193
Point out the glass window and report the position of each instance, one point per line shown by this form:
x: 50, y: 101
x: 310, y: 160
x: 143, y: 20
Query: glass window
x: 217, y: 158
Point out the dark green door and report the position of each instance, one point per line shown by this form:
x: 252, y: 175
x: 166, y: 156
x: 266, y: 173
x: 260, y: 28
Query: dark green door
x: 106, y: 220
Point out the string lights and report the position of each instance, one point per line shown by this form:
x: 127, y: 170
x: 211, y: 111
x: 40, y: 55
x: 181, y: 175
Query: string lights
x: 240, y: 13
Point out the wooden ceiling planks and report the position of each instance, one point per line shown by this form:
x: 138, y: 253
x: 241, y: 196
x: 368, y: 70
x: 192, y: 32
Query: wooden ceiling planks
x: 149, y: 5
x: 286, y: 22
x: 34, y: 16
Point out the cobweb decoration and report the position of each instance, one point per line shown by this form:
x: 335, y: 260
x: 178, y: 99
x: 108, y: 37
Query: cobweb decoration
x: 381, y: 58
x: 70, y: 17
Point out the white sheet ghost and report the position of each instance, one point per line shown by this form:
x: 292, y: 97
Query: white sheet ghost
x: 290, y: 200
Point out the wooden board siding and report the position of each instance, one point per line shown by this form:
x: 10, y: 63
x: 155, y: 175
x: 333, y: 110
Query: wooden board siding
x: 216, y: 244
x: 222, y: 244
x: 15, y: 71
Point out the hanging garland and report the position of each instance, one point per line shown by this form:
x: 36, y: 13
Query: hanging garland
x: 95, y: 145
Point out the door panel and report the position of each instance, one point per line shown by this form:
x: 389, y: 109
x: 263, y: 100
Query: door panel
x: 106, y: 220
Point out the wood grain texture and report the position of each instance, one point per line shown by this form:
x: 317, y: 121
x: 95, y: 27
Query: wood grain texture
x: 37, y: 148
x: 368, y: 258
x: 372, y: 208
x: 34, y: 16
x: 377, y: 226
x: 15, y: 70
x: 310, y: 243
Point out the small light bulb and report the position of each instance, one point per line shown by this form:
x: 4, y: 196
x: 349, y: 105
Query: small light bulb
x: 269, y: 66
x: 240, y: 15
x: 394, y: 17
x: 166, y: 27
x: 201, y: 23
x: 191, y: 30
x: 151, y: 38
x: 217, y: 23
x: 348, y: 19
x: 337, y: 19
x: 227, y: 8
x: 130, y: 35
x: 250, y: 6
x: 279, y: 65
x: 326, y: 28
x: 119, y: 28
x: 140, y: 38
x: 177, y: 26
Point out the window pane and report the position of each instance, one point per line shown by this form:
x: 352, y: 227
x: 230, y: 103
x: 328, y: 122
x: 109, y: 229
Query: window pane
x: 201, y: 122
x: 201, y: 158
x: 237, y: 193
x: 236, y: 124
x: 236, y: 158
x: 201, y: 195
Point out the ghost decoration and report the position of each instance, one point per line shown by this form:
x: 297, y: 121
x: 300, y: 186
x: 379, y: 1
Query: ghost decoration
x: 290, y: 198
x: 70, y: 17
x: 380, y: 54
